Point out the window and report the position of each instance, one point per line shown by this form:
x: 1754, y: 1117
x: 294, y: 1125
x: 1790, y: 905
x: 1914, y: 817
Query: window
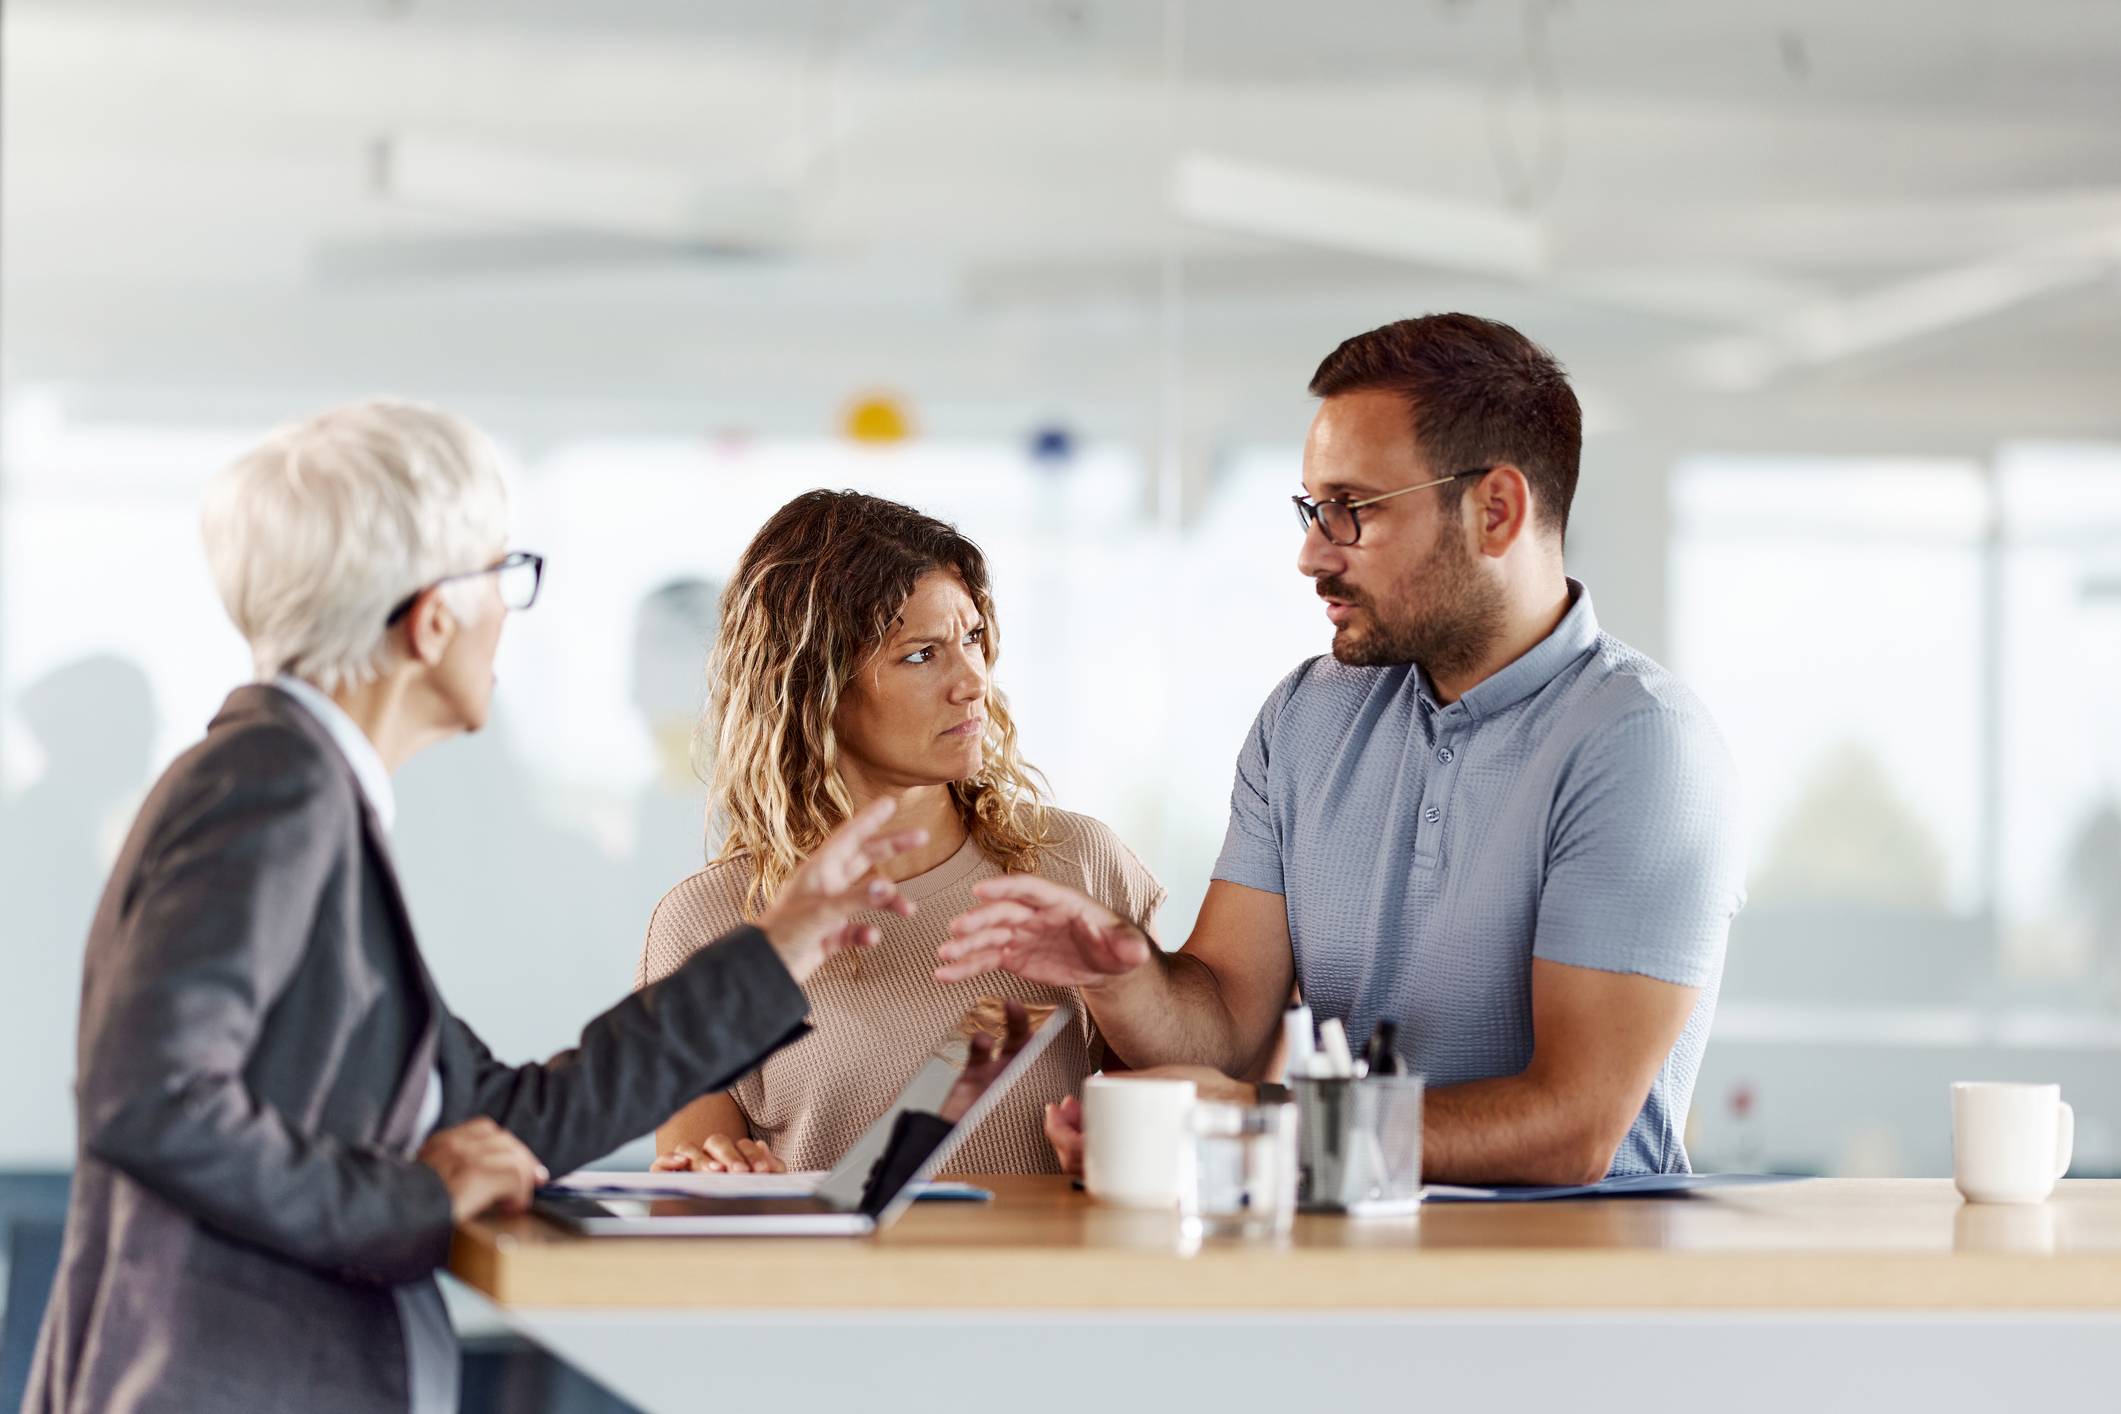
x: 1917, y: 665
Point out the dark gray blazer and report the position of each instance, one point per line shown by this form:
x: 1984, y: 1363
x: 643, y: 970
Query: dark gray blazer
x: 256, y: 1030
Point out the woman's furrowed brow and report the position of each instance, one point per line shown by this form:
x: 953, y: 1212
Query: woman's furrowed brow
x: 930, y: 633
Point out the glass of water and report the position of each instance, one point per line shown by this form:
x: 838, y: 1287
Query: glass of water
x: 1244, y: 1171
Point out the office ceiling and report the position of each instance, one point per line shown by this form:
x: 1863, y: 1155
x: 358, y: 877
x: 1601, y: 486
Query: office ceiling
x: 1795, y: 220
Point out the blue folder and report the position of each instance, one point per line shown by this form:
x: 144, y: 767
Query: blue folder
x: 1641, y: 1185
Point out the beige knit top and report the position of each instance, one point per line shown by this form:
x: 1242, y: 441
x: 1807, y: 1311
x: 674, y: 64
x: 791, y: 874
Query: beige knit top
x: 877, y: 1016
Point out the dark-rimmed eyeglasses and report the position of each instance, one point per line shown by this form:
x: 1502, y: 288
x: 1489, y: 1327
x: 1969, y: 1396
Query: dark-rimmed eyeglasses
x: 1337, y: 517
x: 521, y: 572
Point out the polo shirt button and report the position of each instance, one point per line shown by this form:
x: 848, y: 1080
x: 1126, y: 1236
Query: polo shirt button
x: 1443, y: 754
x: 1432, y: 815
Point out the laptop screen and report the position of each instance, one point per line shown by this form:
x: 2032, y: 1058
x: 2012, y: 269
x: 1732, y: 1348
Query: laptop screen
x: 921, y: 1138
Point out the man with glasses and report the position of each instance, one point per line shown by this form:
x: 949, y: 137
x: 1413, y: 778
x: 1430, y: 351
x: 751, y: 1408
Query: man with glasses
x: 280, y: 1120
x: 1480, y: 817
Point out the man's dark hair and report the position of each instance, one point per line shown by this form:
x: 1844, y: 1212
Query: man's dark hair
x: 1482, y: 394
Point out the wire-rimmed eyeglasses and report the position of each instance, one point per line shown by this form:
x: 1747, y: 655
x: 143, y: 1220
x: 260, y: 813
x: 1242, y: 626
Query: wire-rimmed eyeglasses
x: 1337, y: 517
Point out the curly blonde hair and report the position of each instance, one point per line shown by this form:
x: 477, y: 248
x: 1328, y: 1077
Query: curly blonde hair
x: 812, y: 599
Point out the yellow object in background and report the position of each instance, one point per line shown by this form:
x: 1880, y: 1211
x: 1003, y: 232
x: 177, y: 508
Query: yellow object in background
x: 877, y: 418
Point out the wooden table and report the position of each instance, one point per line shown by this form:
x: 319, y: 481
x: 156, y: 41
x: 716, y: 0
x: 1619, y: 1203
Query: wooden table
x: 1822, y: 1254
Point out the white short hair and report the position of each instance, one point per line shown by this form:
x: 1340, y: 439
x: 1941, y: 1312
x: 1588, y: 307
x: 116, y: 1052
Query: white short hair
x: 316, y: 534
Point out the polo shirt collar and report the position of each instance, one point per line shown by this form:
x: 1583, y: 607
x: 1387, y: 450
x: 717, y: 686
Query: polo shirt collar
x: 1574, y: 636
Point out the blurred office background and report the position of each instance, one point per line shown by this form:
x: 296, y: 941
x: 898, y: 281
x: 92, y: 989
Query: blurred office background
x: 1840, y: 287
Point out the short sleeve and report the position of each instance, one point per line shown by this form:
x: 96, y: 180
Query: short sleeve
x: 667, y: 945
x: 1252, y: 845
x: 1135, y: 892
x: 1644, y: 865
x: 695, y: 912
x: 1089, y: 854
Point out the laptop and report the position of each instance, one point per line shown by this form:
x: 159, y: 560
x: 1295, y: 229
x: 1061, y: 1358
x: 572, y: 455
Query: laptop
x: 844, y: 1204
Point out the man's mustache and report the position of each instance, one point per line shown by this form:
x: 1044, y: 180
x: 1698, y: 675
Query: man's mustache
x: 1331, y: 588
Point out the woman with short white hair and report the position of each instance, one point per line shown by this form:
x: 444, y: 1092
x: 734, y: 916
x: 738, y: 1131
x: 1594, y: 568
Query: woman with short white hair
x: 280, y: 1120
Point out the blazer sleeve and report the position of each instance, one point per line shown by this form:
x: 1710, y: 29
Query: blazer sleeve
x: 727, y: 1008
x: 212, y: 926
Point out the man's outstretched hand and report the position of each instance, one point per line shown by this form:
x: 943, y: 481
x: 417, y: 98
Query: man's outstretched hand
x: 1041, y: 931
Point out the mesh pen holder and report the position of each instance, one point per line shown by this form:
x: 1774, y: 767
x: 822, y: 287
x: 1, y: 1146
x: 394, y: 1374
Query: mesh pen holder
x: 1358, y: 1144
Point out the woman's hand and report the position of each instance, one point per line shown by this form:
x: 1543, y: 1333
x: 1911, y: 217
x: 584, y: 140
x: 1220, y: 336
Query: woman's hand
x: 719, y: 1153
x: 1064, y: 1131
x: 483, y: 1166
x: 810, y: 921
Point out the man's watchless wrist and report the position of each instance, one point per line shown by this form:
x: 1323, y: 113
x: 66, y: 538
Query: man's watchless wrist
x: 1115, y: 979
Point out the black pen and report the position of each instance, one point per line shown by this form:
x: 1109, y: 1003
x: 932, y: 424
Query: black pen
x: 1381, y: 1051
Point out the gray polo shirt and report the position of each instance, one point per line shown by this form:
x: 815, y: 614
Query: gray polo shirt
x: 1578, y: 806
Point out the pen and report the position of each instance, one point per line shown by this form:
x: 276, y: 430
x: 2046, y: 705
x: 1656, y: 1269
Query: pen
x: 1382, y: 1050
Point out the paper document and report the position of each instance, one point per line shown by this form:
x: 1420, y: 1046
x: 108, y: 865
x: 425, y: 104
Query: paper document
x: 1641, y: 1185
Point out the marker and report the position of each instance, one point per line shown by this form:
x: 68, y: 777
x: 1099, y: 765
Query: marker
x: 1333, y: 1040
x: 1296, y: 1036
x: 1382, y: 1050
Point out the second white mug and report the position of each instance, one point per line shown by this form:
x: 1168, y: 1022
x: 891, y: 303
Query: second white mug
x: 2010, y: 1142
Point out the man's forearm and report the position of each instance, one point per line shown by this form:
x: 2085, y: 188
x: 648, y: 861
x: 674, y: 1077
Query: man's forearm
x: 1168, y: 1011
x: 1519, y: 1129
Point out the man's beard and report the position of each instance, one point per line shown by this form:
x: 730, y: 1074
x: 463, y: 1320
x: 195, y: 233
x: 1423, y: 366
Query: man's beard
x: 1459, y: 621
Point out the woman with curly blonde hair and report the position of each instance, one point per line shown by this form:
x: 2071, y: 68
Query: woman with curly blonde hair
x: 855, y: 662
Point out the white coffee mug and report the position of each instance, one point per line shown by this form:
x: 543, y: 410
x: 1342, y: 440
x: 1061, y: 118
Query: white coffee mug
x: 1137, y: 1149
x: 2009, y: 1142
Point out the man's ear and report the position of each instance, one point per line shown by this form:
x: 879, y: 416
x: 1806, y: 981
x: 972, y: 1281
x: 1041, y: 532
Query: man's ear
x: 1501, y: 504
x: 429, y: 628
